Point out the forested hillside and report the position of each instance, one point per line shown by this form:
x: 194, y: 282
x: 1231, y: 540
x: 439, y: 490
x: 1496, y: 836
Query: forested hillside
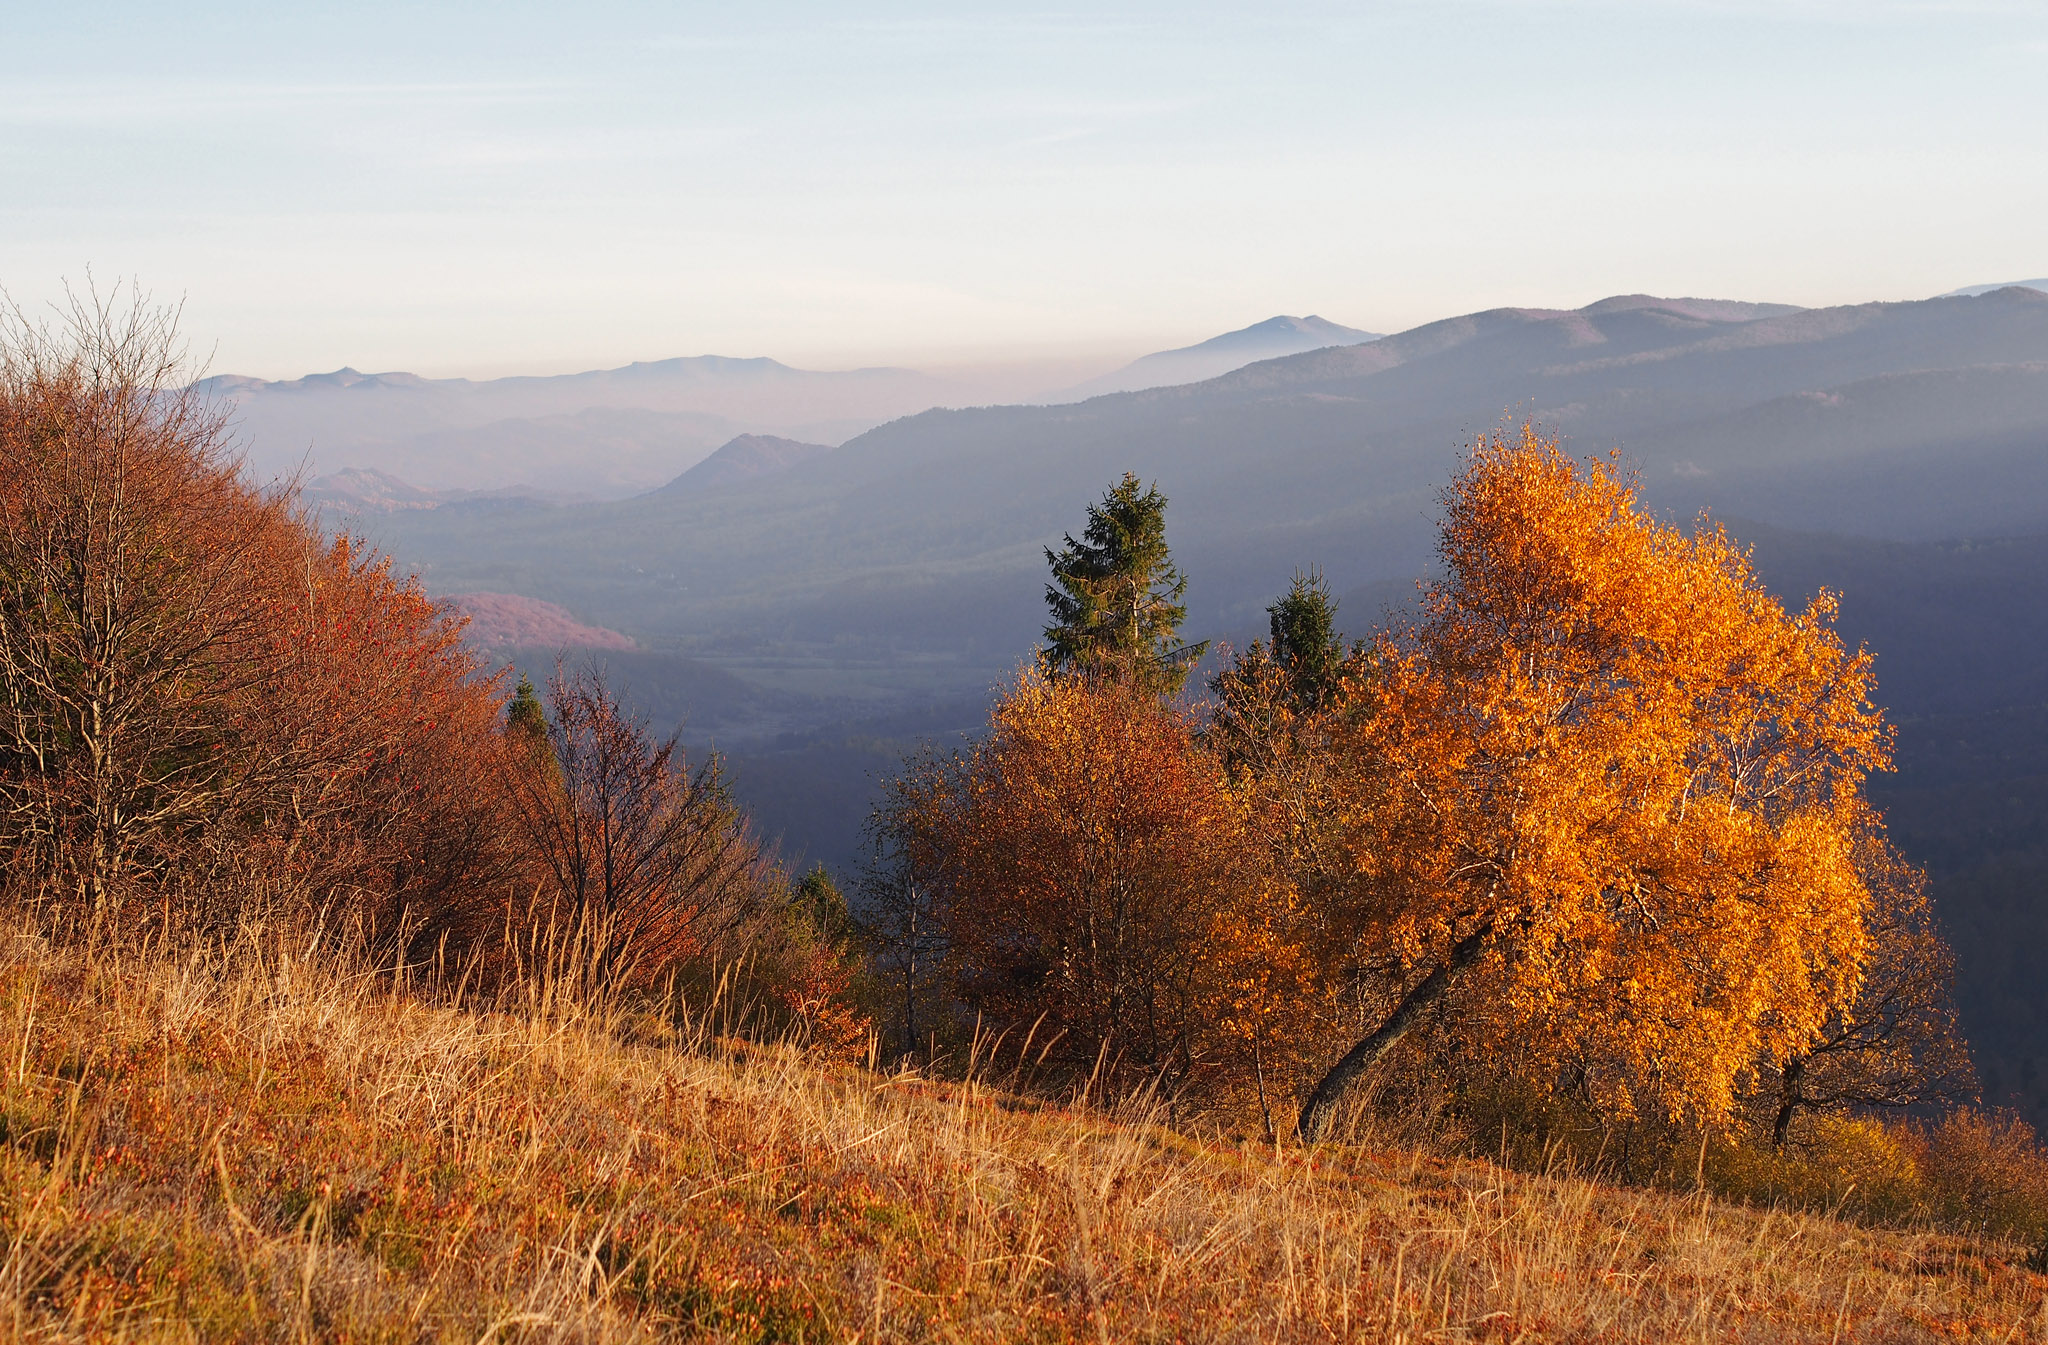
x: 1961, y: 632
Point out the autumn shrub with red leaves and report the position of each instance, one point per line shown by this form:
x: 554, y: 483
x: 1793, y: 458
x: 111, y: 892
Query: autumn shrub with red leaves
x: 207, y: 703
x: 213, y: 711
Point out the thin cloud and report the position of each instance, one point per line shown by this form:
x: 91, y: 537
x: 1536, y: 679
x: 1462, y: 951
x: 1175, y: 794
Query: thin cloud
x: 79, y: 103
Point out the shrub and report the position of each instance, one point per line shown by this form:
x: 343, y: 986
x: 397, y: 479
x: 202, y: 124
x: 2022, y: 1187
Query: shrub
x: 1985, y: 1172
x: 1866, y: 1166
x: 1979, y: 1173
x: 1101, y: 894
x: 206, y: 703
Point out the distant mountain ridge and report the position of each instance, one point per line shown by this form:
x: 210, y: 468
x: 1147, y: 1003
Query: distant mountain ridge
x: 1707, y: 310
x: 743, y: 459
x: 1795, y: 417
x: 603, y: 432
x: 1274, y: 338
x: 1972, y: 291
x: 613, y: 433
x: 687, y: 369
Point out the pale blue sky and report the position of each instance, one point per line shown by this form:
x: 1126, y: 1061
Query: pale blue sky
x: 537, y: 188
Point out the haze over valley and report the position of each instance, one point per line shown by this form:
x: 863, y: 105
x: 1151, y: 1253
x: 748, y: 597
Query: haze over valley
x: 616, y: 432
x: 921, y: 538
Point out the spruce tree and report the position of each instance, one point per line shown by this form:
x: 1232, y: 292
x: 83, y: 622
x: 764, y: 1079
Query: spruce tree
x: 1274, y: 690
x: 525, y: 720
x: 820, y: 908
x: 1306, y: 644
x: 526, y: 726
x: 1115, y: 595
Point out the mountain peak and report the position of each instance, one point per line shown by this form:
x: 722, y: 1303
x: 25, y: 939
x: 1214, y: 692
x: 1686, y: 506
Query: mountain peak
x: 744, y: 458
x: 1283, y: 330
x: 1270, y: 339
x: 1974, y: 291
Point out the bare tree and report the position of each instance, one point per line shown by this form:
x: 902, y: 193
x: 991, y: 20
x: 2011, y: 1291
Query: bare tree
x: 201, y: 699
x: 899, y: 918
x: 652, y: 861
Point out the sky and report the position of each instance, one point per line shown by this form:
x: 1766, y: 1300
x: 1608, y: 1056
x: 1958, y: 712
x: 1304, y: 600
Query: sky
x: 513, y: 188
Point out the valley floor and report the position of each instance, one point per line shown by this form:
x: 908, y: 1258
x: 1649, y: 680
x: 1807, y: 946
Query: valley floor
x: 270, y: 1147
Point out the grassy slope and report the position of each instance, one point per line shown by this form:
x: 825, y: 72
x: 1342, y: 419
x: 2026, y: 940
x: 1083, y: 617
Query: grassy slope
x: 273, y: 1150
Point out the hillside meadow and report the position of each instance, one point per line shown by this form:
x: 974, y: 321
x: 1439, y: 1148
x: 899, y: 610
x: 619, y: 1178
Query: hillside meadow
x: 273, y: 1138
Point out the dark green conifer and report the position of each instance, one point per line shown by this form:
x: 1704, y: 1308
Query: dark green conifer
x: 526, y: 725
x: 1271, y: 691
x: 1306, y: 643
x: 1115, y: 596
x: 820, y: 907
x: 525, y: 720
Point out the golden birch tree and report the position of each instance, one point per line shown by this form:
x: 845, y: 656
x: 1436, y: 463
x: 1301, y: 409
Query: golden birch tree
x: 1605, y: 796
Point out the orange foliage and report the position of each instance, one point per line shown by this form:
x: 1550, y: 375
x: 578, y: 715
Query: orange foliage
x: 389, y: 726
x: 1101, y: 889
x: 209, y: 711
x: 1607, y: 794
x: 1896, y: 1044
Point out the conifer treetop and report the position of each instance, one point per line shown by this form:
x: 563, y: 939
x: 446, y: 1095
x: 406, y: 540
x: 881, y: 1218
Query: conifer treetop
x: 1115, y: 596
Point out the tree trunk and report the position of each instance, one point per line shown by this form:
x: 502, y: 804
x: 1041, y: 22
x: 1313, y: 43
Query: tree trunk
x: 1791, y: 1098
x: 1315, y: 1113
x: 910, y: 983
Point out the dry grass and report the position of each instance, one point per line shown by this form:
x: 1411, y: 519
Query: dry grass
x: 283, y: 1144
